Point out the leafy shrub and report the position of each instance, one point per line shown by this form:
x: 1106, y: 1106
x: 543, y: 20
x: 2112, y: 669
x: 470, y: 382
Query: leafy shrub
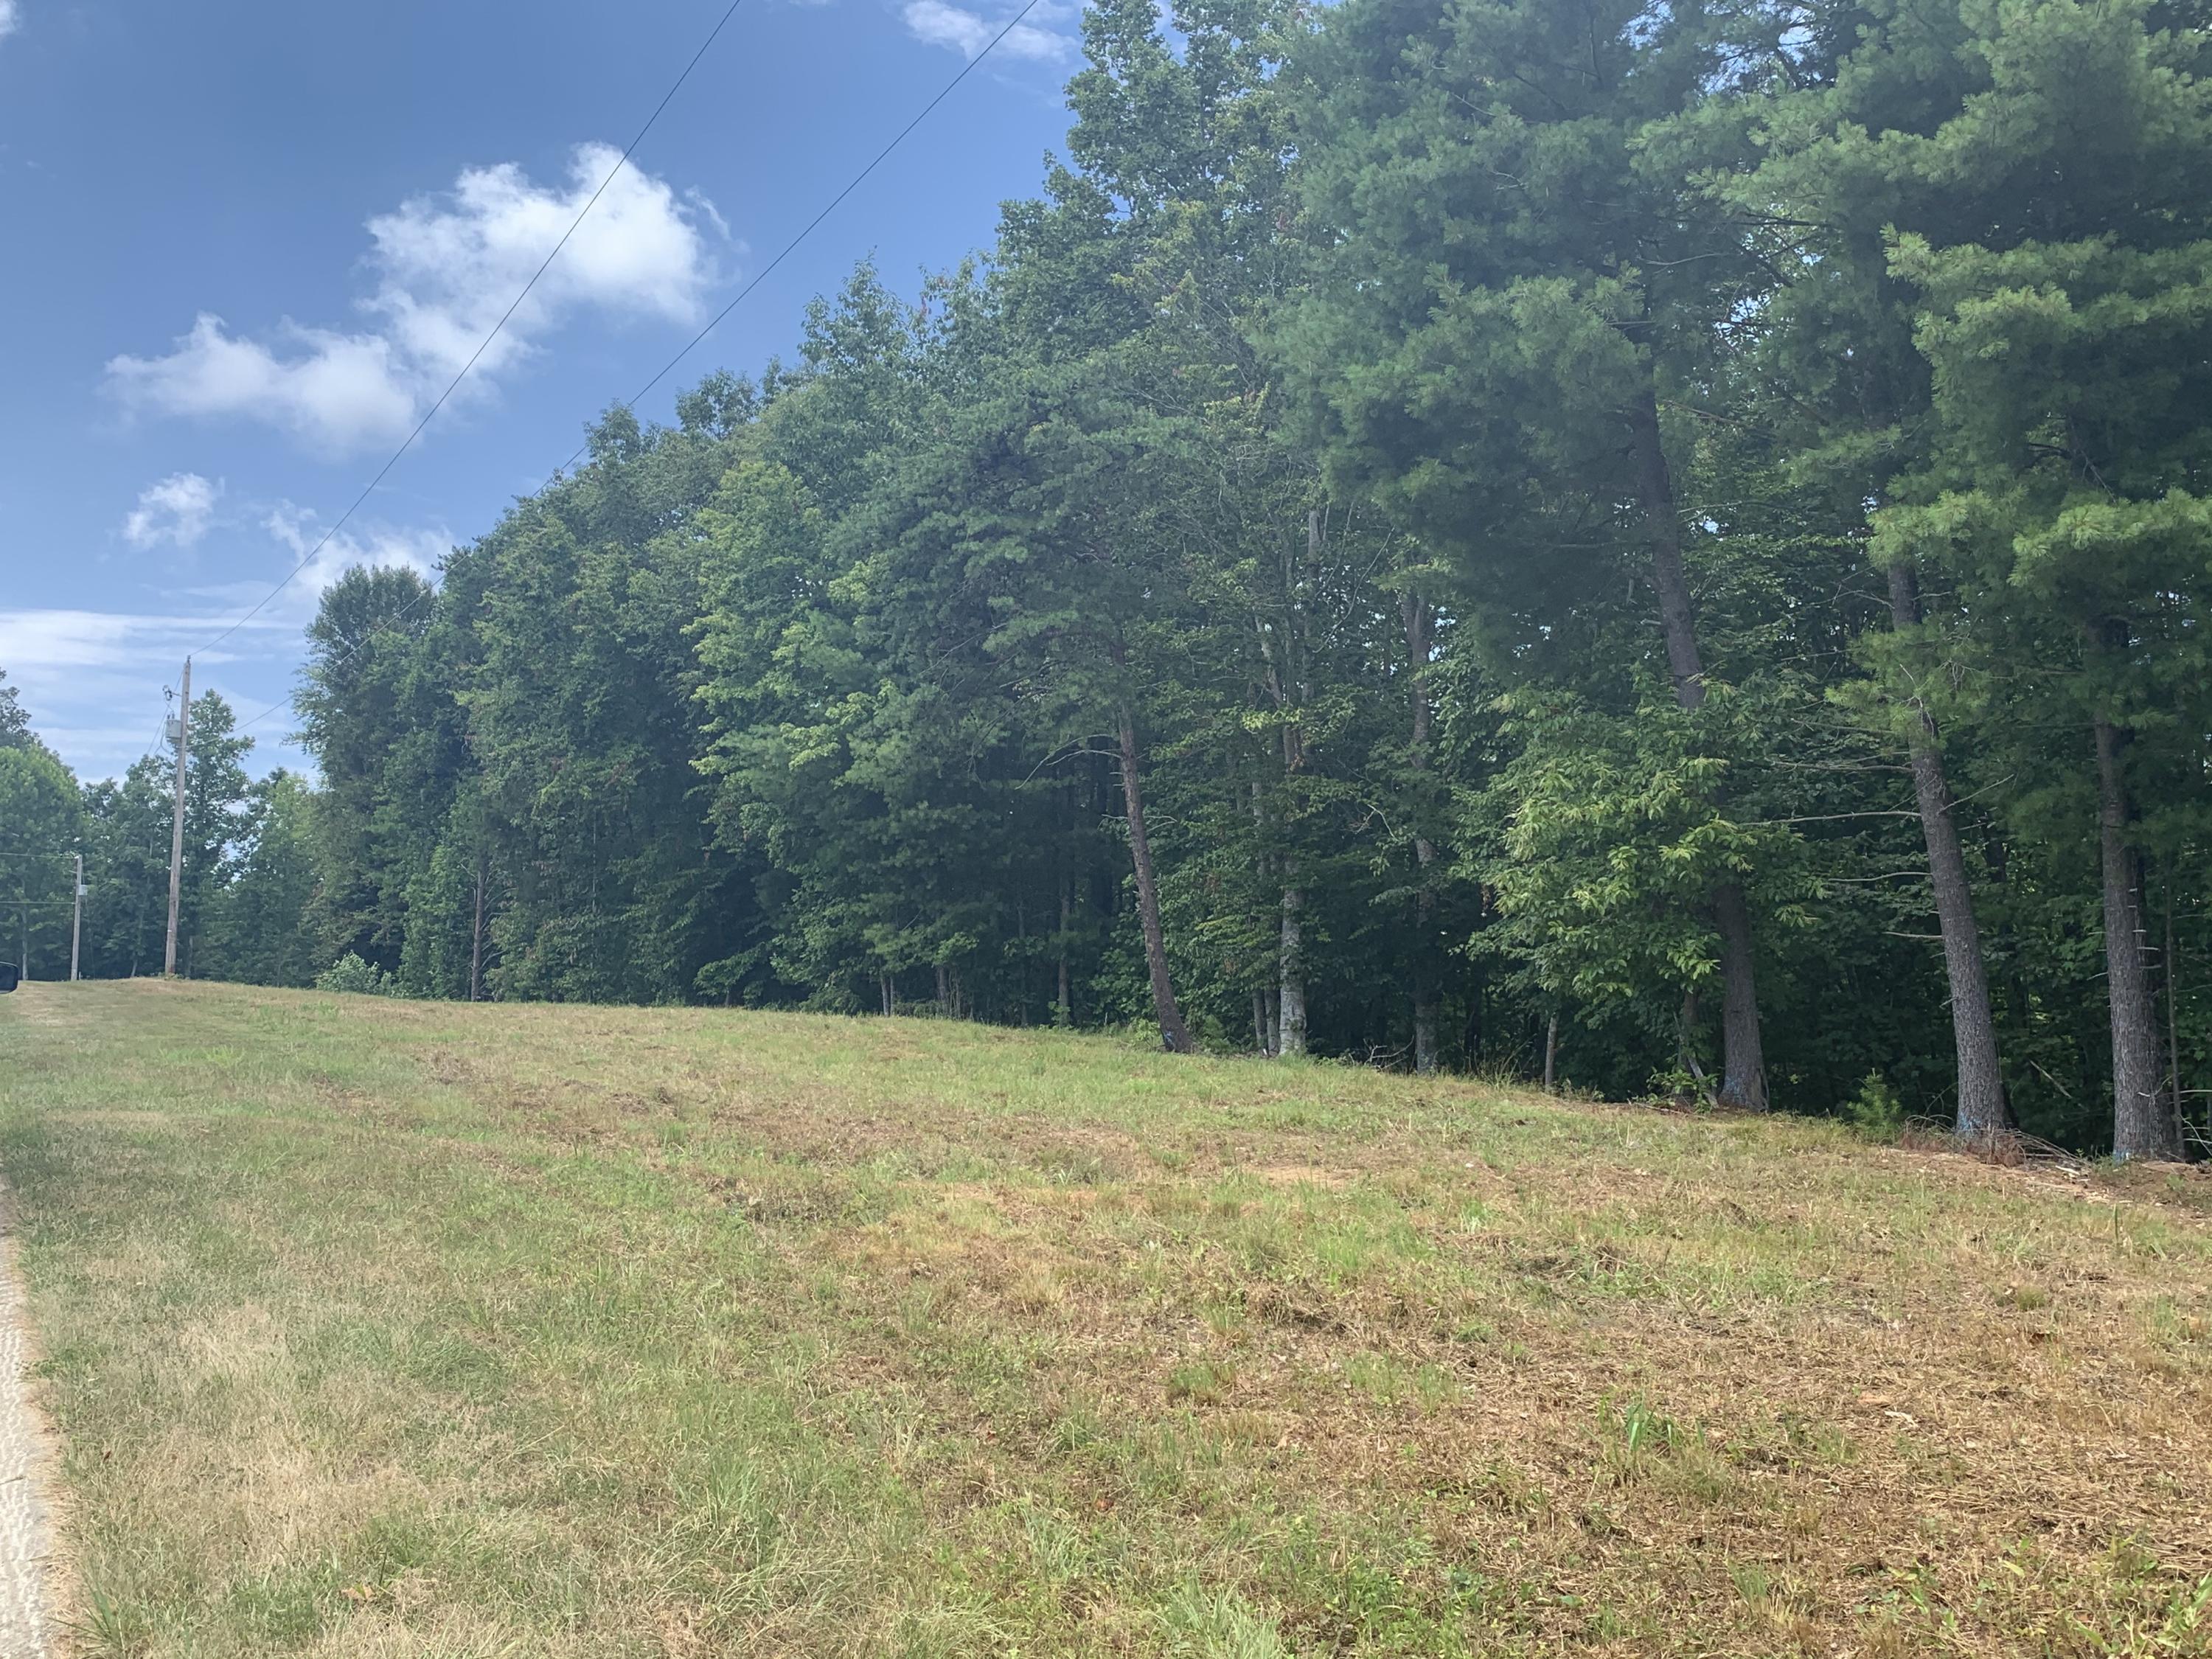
x: 352, y: 976
x: 1875, y: 1111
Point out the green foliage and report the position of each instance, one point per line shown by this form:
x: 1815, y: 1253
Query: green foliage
x: 351, y: 976
x: 1311, y: 463
x: 1875, y: 1111
x: 1609, y: 832
x: 259, y: 929
x: 15, y: 721
x: 40, y: 821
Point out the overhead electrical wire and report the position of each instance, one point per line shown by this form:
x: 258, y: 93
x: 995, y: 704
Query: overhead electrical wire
x: 836, y: 201
x: 484, y: 345
x: 697, y: 340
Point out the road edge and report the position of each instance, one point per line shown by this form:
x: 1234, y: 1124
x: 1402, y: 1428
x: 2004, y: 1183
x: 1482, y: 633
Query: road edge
x: 28, y: 1587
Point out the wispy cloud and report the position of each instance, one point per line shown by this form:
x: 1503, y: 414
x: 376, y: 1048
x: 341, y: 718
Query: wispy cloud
x: 939, y: 23
x: 447, y: 266
x: 177, y: 511
x: 11, y: 19
x: 297, y: 531
x: 92, y: 679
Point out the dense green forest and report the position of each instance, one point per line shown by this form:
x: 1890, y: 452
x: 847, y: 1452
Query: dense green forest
x: 1665, y: 545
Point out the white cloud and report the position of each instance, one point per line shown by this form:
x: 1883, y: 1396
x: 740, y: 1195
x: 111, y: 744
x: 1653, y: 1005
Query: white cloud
x: 296, y: 530
x: 339, y: 391
x: 178, y: 510
x: 11, y: 18
x: 92, y: 678
x: 38, y: 643
x: 446, y: 267
x: 939, y: 23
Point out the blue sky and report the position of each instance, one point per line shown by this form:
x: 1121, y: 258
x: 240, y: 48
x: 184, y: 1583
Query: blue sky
x: 247, y: 242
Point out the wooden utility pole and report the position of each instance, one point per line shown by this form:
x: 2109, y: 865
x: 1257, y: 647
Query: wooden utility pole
x: 177, y: 823
x: 76, y: 918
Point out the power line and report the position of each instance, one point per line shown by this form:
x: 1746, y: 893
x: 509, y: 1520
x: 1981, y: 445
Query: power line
x: 858, y: 179
x: 485, y: 345
x: 716, y: 321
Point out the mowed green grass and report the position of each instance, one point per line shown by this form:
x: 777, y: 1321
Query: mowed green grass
x: 383, y: 1328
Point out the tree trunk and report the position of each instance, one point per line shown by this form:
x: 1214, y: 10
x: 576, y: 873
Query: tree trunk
x: 475, y: 939
x: 1266, y: 999
x: 1686, y: 1038
x: 1654, y: 490
x: 1551, y: 1054
x: 1175, y: 1036
x: 1063, y: 1004
x: 1743, y: 1066
x: 1294, y: 972
x: 1474, y: 1035
x: 1424, y: 1026
x: 2172, y: 1020
x: 1289, y: 694
x: 1982, y: 1109
x: 1420, y: 628
x: 2142, y: 1126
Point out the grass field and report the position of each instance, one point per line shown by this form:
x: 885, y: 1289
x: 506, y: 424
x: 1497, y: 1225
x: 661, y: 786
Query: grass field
x: 387, y: 1327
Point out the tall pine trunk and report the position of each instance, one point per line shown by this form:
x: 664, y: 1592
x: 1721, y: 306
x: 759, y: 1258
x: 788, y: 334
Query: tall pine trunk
x: 1743, y: 1066
x: 1982, y: 1109
x: 1063, y: 1000
x: 1290, y: 692
x: 477, y: 936
x: 2171, y: 965
x: 1294, y: 971
x: 1420, y: 638
x: 2142, y: 1127
x: 1175, y: 1036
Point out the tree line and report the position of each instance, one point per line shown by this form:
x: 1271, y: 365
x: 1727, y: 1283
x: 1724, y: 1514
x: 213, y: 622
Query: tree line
x: 1659, y: 546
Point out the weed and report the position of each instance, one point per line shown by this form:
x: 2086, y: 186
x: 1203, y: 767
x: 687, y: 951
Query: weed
x: 1812, y: 1441
x: 1637, y: 1436
x: 1203, y: 1624
x: 1203, y: 1383
x: 113, y: 1629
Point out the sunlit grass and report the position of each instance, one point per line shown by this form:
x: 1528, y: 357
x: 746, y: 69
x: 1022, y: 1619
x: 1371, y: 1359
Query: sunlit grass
x: 384, y: 1328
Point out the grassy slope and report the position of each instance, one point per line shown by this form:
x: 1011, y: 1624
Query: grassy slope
x: 410, y: 1328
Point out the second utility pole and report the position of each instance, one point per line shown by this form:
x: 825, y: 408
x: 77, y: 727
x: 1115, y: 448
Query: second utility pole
x: 177, y: 824
x: 77, y: 917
